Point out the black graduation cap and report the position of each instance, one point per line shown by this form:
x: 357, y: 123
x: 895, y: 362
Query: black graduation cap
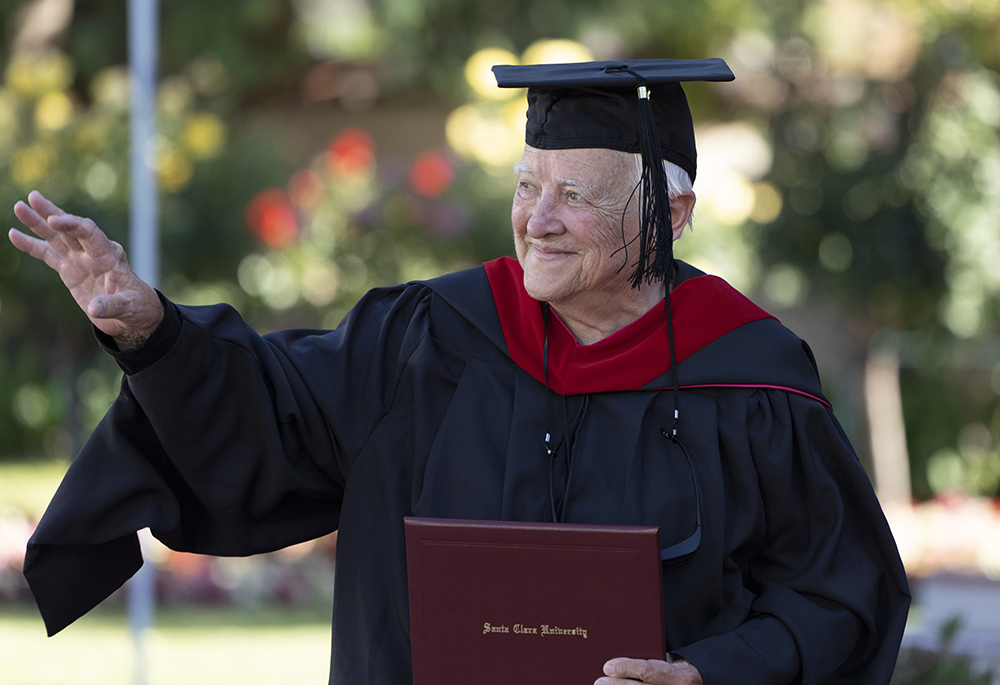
x: 634, y: 106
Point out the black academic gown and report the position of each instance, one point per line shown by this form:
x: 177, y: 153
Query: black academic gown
x: 430, y: 400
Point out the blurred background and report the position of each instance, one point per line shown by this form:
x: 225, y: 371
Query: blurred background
x: 308, y: 150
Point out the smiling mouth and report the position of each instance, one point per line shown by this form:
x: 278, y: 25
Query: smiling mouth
x: 548, y: 253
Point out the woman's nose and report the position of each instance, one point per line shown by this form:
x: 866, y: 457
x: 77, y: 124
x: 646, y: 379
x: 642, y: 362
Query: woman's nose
x: 544, y: 219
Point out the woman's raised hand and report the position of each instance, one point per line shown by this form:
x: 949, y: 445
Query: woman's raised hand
x: 93, y: 268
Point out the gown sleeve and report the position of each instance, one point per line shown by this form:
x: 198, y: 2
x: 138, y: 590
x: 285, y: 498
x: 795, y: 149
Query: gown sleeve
x: 830, y: 591
x: 221, y: 442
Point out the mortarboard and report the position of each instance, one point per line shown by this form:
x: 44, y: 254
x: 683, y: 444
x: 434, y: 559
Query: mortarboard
x: 634, y: 106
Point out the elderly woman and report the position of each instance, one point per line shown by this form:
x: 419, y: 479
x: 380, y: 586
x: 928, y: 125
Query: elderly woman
x: 559, y: 386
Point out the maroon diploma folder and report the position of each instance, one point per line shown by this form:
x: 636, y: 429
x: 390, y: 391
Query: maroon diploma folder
x: 501, y: 602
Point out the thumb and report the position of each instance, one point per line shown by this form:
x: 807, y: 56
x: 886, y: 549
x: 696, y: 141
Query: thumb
x: 638, y: 669
x: 139, y: 310
x: 108, y: 306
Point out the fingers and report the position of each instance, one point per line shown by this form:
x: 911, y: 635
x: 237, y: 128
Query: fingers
x: 622, y: 671
x: 30, y: 218
x: 39, y: 249
x: 43, y: 206
x: 73, y: 231
x: 50, y: 246
x: 64, y: 232
x: 24, y: 243
x: 36, y: 213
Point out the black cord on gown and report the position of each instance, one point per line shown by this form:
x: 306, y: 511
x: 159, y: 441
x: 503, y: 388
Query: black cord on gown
x: 671, y: 556
x: 557, y: 514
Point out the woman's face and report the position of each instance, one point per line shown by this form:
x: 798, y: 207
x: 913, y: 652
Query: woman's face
x: 571, y: 216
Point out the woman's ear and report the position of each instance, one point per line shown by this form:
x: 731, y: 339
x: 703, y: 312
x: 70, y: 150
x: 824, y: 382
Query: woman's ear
x: 681, y: 208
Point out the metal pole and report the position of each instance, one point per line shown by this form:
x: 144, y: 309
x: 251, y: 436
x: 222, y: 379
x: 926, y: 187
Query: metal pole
x: 144, y: 253
x: 143, y: 47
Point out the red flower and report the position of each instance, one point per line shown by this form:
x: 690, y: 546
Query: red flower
x: 351, y: 152
x: 272, y: 217
x: 432, y: 174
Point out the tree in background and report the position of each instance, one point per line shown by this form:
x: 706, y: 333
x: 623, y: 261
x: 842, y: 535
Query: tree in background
x: 883, y: 118
x: 848, y: 177
x: 64, y: 129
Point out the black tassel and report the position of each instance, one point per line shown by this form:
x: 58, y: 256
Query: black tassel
x: 656, y: 249
x: 656, y: 234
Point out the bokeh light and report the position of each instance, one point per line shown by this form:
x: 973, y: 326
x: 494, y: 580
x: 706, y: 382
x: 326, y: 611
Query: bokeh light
x: 731, y: 158
x: 432, y: 174
x: 767, y: 202
x: 173, y: 167
x: 875, y: 40
x: 32, y: 406
x: 204, y: 135
x: 306, y: 190
x: 176, y: 97
x: 272, y: 217
x: 480, y: 78
x: 351, y: 153
x: 9, y: 125
x: 786, y: 285
x: 100, y: 180
x: 33, y: 75
x: 271, y: 277
x: 836, y: 252
x: 485, y: 135
x: 490, y: 131
x: 53, y: 112
x: 30, y: 165
x: 340, y: 29
x: 556, y: 51
x: 110, y: 89
x: 320, y: 282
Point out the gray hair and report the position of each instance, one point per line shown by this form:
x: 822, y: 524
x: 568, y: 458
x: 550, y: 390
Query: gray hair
x: 678, y: 180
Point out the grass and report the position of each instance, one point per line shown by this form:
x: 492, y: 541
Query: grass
x: 189, y: 646
x: 29, y: 485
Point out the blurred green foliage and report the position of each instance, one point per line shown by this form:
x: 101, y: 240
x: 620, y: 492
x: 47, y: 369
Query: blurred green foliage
x: 941, y: 666
x: 852, y: 167
x: 64, y: 130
